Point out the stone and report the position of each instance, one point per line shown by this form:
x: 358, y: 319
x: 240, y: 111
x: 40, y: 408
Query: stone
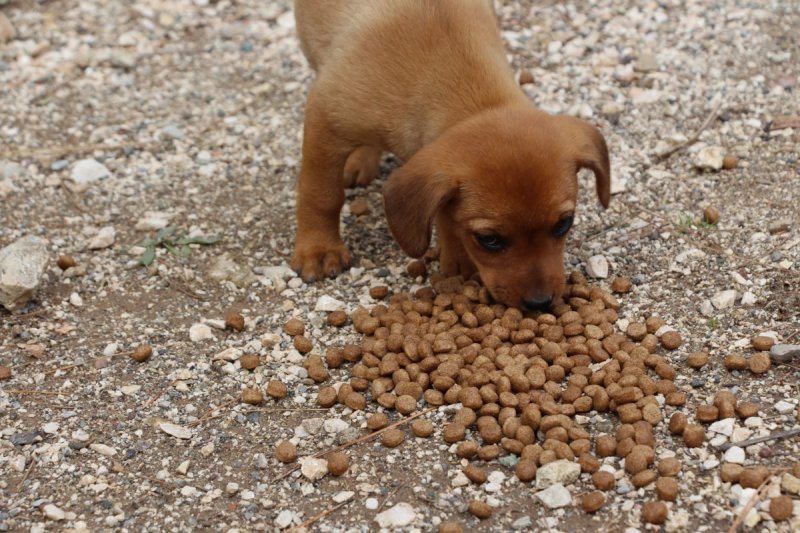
x: 88, y: 171
x: 51, y: 428
x: 22, y: 264
x: 51, y: 511
x: 335, y: 425
x: 709, y: 158
x: 784, y: 407
x: 748, y: 298
x: 646, y: 62
x: 561, y: 471
x: 175, y: 430
x: 153, y: 220
x: 597, y: 267
x: 7, y: 31
x: 790, y: 483
x: 313, y: 468
x: 723, y: 427
x: 103, y: 449
x: 400, y: 515
x: 200, y: 332
x: 76, y: 300
x: 724, y: 299
x: 343, y: 496
x: 784, y: 353
x: 555, y: 496
x: 735, y: 455
x: 327, y: 304
x: 780, y: 226
x: 707, y: 308
x: 225, y: 268
x: 522, y: 523
x: 104, y: 238
x: 313, y: 425
x: 284, y: 519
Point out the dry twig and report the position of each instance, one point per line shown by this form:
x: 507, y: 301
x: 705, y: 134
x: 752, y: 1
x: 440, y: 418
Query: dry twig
x: 742, y: 516
x: 209, y: 415
x: 319, y: 516
x: 694, y: 138
x: 779, y: 435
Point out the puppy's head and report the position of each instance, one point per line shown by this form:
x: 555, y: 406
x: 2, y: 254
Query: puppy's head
x: 505, y: 185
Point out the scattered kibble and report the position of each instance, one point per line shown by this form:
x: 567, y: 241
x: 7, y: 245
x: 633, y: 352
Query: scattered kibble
x: 142, y: 353
x: 392, y: 438
x: 66, y: 261
x: 285, y: 452
x: 252, y: 396
x: 654, y: 512
x: 338, y: 463
x: 593, y: 501
x: 710, y: 215
x: 781, y: 508
x: 277, y: 389
x: 294, y: 326
x: 5, y: 373
x: 337, y: 318
x: 480, y: 509
x: 235, y: 321
x: 249, y: 361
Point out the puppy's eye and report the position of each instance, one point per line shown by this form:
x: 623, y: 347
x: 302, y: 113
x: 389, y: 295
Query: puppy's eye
x: 562, y: 227
x: 491, y: 242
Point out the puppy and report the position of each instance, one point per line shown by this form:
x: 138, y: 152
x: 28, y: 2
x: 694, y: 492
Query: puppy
x: 428, y: 81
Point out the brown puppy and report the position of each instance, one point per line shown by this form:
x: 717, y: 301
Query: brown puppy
x: 428, y: 81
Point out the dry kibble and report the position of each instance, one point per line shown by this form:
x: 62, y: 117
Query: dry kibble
x: 603, y: 480
x: 235, y: 321
x: 405, y: 404
x: 735, y: 362
x: 302, y: 344
x: 621, y: 285
x: 416, y: 269
x: 249, y: 361
x: 667, y: 489
x: 142, y: 353
x: 466, y: 449
x: 592, y: 501
x: 671, y: 340
x: 730, y: 472
x: 285, y: 452
x: 5, y: 373
x: 480, y: 509
x: 379, y: 292
x: 752, y: 478
x: 643, y: 478
x: 318, y: 372
x: 697, y: 360
x: 635, y: 462
x: 489, y: 453
x: 669, y: 467
x: 453, y: 433
x: 338, y: 463
x: 337, y: 318
x: 277, y: 389
x: 760, y: 363
x: 252, y: 396
x: 422, y: 427
x: 451, y: 527
x: 636, y: 331
x: 678, y: 423
x: 476, y: 474
x: 526, y: 470
x: 392, y: 438
x: 65, y: 261
x: 746, y: 409
x: 707, y: 413
x: 729, y: 162
x: 781, y: 508
x: 294, y: 327
x: 326, y: 397
x: 654, y: 512
x: 762, y: 343
x: 694, y: 435
x: 355, y: 401
x: 377, y: 421
x: 606, y: 445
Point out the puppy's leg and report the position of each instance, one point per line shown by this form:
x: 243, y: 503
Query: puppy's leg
x: 453, y: 258
x: 319, y: 250
x: 363, y: 166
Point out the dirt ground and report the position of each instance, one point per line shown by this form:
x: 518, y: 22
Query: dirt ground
x: 195, y: 109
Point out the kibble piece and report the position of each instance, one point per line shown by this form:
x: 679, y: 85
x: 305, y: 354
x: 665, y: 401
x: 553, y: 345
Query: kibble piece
x: 678, y: 423
x: 480, y: 509
x: 277, y: 389
x: 621, y: 285
x: 302, y: 344
x: 405, y: 404
x: 326, y: 397
x: 735, y: 361
x: 694, y: 435
x: 667, y: 489
x: 377, y: 421
x: 338, y: 463
x: 669, y: 467
x: 707, y: 413
x: 416, y: 269
x: 526, y: 470
x: 593, y: 501
x: 476, y: 474
x: 453, y: 433
x: 635, y: 462
x: 762, y: 343
x: 422, y: 428
x: 5, y: 373
x: 746, y: 409
x: 781, y: 508
x: 752, y: 478
x: 235, y: 321
x: 675, y: 398
x: 379, y: 292
x: 760, y: 363
x: 730, y: 472
x: 710, y: 214
x: 653, y: 324
x: 636, y: 331
x: 451, y: 527
x: 671, y: 340
x: 729, y: 162
x: 285, y: 452
x: 252, y: 396
x: 355, y: 401
x: 490, y: 453
x: 466, y: 449
x: 249, y: 361
x: 66, y: 261
x: 643, y: 478
x: 606, y: 445
x: 337, y: 318
x: 318, y: 372
x: 603, y: 480
x: 392, y: 438
x: 142, y: 353
x: 654, y: 512
x: 294, y: 326
x: 697, y: 360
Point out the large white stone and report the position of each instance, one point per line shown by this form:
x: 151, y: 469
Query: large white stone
x: 53, y: 513
x: 22, y: 264
x: 561, y: 471
x: 555, y: 496
x: 88, y: 171
x: 104, y: 238
x: 327, y: 304
x: 400, y: 515
x: 709, y: 158
x: 597, y: 267
x: 313, y: 468
x: 735, y: 455
x: 724, y: 299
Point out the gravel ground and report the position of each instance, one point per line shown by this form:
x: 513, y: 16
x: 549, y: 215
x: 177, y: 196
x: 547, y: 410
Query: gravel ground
x: 192, y: 114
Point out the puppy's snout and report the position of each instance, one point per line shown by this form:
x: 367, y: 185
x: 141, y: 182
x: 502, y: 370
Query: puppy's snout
x: 539, y: 302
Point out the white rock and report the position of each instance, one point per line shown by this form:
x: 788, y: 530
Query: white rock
x: 644, y: 96
x: 103, y: 449
x: 189, y: 491
x: 754, y: 422
x: 110, y: 349
x: 231, y: 488
x: 400, y: 515
x: 784, y: 407
x: 335, y: 425
x: 104, y: 238
x: 561, y: 471
x: 183, y: 468
x: 175, y: 430
x: 343, y: 496
x: 228, y: 354
x: 88, y: 171
x: 723, y: 427
x: 313, y: 425
x: 200, y: 332
x: 7, y: 31
x: 724, y: 299
x: 53, y: 513
x: 734, y: 454
x: 285, y: 519
x: 313, y: 468
x: 371, y: 504
x: 51, y: 428
x: 461, y: 480
x: 496, y: 476
x: 76, y: 300
x: 790, y: 483
x: 22, y: 264
x: 327, y: 304
x: 80, y: 435
x: 749, y: 298
x: 153, y: 220
x: 706, y: 308
x: 597, y: 267
x: 555, y: 496
x: 709, y: 158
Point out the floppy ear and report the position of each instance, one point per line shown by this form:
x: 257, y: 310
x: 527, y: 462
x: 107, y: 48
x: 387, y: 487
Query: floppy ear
x: 590, y: 151
x: 411, y: 197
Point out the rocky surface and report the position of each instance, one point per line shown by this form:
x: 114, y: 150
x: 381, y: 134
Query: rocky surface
x: 193, y: 110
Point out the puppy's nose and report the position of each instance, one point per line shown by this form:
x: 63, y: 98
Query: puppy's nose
x: 537, y: 303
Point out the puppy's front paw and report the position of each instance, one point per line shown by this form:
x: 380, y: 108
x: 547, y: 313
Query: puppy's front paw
x: 363, y: 166
x: 316, y: 261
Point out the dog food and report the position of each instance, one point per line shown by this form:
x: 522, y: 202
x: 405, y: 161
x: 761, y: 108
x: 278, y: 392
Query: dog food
x: 252, y: 396
x: 654, y: 512
x: 142, y: 353
x: 234, y: 321
x: 249, y: 361
x: 480, y: 509
x: 294, y: 327
x: 285, y: 452
x: 338, y: 463
x: 593, y: 501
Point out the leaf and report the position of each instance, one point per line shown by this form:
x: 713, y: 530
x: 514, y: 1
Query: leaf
x: 165, y: 233
x: 180, y: 252
x: 147, y: 243
x: 148, y: 256
x: 200, y: 239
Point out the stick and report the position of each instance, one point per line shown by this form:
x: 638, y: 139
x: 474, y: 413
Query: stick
x: 161, y: 392
x: 319, y: 516
x: 388, y: 496
x: 27, y: 473
x: 774, y: 436
x: 27, y: 391
x: 209, y: 415
x: 68, y: 367
x: 359, y: 440
x: 694, y: 138
x: 750, y: 504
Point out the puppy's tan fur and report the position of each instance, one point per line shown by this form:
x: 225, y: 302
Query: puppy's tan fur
x: 428, y: 81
